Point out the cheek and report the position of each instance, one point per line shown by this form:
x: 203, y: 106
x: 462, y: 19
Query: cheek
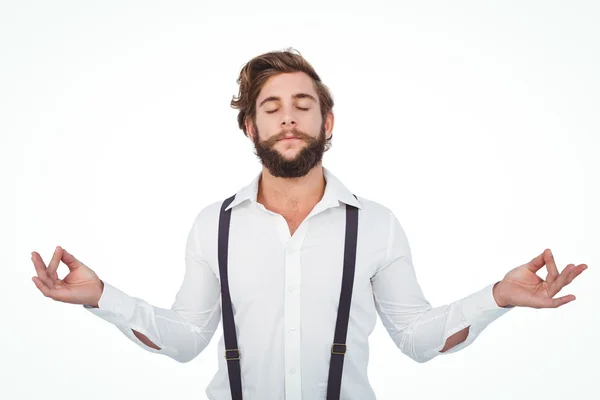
x: 314, y: 118
x: 315, y: 123
x: 264, y: 130
x: 266, y: 125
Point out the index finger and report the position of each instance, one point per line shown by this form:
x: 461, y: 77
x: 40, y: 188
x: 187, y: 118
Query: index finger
x: 54, y: 262
x: 551, y: 266
x: 40, y: 268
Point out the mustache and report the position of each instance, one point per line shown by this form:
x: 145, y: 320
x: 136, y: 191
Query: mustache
x: 294, y: 132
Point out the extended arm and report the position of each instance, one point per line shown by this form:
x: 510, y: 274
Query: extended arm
x: 421, y: 331
x: 180, y: 332
x: 462, y: 335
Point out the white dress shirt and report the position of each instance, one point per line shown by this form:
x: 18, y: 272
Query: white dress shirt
x: 285, y: 291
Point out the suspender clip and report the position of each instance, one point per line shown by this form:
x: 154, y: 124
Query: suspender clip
x: 234, y: 354
x: 338, y: 348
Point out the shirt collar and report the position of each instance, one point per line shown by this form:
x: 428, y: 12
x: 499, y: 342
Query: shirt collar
x: 335, y: 192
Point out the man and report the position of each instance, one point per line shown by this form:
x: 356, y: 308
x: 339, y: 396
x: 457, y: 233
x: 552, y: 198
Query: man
x: 278, y: 258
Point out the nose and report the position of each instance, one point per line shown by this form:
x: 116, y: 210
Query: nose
x: 288, y: 121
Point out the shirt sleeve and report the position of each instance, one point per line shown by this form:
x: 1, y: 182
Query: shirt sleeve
x: 418, y: 329
x: 182, y: 331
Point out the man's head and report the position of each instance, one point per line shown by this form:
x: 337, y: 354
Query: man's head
x: 287, y: 112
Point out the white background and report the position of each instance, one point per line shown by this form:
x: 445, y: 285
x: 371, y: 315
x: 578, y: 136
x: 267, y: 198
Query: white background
x: 477, y: 123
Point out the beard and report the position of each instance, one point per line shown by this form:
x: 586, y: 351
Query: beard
x: 279, y: 166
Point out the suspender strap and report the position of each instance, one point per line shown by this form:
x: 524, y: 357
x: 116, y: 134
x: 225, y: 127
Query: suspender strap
x: 338, y: 349
x: 232, y: 353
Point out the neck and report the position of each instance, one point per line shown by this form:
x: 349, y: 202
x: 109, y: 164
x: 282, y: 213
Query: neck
x: 291, y: 195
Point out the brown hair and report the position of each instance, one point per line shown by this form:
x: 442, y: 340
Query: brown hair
x: 257, y: 71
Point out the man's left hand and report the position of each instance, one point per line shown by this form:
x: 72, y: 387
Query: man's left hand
x: 524, y: 288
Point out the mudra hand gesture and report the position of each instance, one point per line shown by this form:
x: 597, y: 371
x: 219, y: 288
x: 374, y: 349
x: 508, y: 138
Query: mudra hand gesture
x: 523, y: 287
x: 80, y: 286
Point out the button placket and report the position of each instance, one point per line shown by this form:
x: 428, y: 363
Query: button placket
x: 292, y: 312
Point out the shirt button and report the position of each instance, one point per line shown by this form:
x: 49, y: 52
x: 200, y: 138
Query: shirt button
x: 290, y: 288
x: 293, y: 371
x: 292, y: 330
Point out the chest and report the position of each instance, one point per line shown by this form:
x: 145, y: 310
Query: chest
x: 267, y: 265
x: 294, y: 221
x: 264, y: 263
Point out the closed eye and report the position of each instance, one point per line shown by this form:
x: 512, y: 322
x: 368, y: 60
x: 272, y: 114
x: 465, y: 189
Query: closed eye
x: 300, y: 108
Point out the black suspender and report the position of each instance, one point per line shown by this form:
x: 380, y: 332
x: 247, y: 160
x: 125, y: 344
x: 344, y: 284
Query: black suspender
x: 232, y: 353
x: 338, y: 348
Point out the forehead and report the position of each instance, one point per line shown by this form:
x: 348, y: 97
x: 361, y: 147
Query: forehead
x: 285, y: 85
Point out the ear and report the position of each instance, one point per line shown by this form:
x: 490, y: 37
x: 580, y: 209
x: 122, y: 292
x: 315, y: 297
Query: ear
x: 249, y: 127
x: 329, y: 124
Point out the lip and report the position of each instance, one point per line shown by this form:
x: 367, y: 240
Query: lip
x: 289, y: 138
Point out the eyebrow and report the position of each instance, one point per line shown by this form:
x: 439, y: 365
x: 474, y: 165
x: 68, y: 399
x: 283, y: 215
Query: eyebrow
x: 294, y: 96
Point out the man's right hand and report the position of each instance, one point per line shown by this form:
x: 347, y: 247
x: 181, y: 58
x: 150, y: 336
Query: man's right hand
x: 80, y: 286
